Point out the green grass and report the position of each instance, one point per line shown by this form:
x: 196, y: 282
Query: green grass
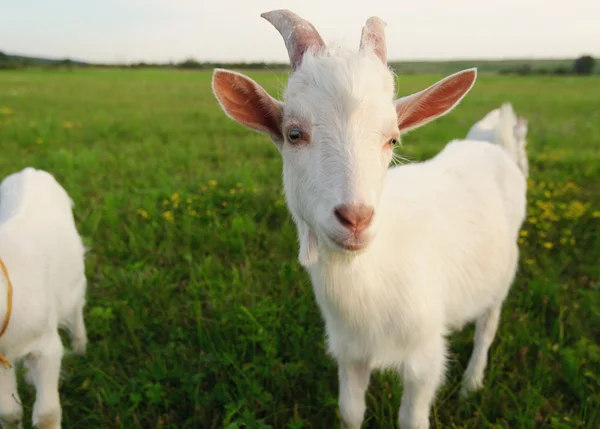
x: 199, y: 315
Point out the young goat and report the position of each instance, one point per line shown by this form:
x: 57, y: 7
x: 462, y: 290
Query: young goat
x: 44, y: 257
x: 503, y: 127
x: 397, y: 258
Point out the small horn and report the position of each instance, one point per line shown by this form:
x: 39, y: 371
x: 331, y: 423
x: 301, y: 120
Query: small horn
x: 298, y: 34
x: 373, y: 36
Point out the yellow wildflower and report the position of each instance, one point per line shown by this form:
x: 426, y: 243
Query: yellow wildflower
x: 175, y: 197
x: 570, y: 185
x: 575, y: 210
x: 239, y: 185
x: 596, y: 213
x: 232, y: 191
x: 224, y: 203
x: 39, y: 140
x: 212, y: 182
x: 548, y: 245
x: 524, y: 233
x: 168, y: 215
x: 143, y: 213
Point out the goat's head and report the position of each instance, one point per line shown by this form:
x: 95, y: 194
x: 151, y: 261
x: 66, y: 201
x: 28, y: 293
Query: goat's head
x: 335, y: 129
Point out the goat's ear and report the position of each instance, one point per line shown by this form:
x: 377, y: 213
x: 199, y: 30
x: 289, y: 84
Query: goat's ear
x: 418, y: 109
x: 521, y: 129
x: 247, y: 103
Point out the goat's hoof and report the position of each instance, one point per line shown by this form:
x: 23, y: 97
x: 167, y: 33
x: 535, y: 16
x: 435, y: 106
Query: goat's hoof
x: 79, y: 346
x: 50, y: 420
x: 470, y: 387
x: 12, y: 421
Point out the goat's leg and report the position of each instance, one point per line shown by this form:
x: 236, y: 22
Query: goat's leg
x: 45, y: 370
x: 485, y: 331
x: 423, y: 373
x: 11, y: 411
x: 354, y: 381
x: 78, y: 331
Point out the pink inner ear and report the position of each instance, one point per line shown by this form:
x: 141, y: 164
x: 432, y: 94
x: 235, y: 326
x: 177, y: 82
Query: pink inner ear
x: 434, y: 101
x: 247, y: 103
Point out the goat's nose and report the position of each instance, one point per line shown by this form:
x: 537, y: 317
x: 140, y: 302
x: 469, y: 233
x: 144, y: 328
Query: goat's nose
x: 355, y: 217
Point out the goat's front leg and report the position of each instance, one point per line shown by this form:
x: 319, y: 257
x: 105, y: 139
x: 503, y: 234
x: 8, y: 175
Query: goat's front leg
x: 45, y: 370
x: 11, y: 411
x: 354, y: 381
x: 423, y: 373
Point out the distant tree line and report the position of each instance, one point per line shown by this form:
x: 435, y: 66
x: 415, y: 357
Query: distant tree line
x: 192, y: 64
x: 17, y: 62
x: 582, y: 66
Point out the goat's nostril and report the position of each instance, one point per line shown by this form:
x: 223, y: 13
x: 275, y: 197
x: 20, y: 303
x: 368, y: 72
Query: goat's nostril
x: 345, y: 218
x: 356, y: 217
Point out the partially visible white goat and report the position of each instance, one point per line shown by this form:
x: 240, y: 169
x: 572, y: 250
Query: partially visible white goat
x: 503, y: 127
x: 397, y: 258
x: 44, y: 256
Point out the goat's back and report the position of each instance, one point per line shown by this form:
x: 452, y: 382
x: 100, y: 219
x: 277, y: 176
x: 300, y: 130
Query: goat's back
x: 462, y: 212
x: 481, y: 161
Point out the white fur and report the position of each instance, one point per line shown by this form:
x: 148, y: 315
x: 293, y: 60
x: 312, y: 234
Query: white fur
x: 44, y: 256
x: 445, y: 255
x: 441, y: 250
x: 502, y: 127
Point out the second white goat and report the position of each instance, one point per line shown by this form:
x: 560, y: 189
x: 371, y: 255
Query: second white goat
x: 44, y: 257
x: 503, y: 127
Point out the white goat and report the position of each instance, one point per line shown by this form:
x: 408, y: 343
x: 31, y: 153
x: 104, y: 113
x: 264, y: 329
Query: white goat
x: 397, y: 258
x: 503, y: 127
x: 44, y: 256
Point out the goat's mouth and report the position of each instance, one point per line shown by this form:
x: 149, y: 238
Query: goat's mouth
x: 349, y: 245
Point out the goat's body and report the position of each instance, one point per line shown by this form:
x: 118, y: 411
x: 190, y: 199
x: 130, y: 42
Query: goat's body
x: 44, y: 254
x: 446, y: 255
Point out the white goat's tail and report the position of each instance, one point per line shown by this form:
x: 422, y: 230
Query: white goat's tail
x: 511, y: 133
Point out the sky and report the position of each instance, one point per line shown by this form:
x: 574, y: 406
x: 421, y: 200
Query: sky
x: 127, y: 31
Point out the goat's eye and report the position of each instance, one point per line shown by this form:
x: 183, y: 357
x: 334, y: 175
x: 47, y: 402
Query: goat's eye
x: 393, y: 142
x: 294, y: 135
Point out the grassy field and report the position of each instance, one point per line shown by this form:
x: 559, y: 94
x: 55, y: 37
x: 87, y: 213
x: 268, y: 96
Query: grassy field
x: 199, y: 315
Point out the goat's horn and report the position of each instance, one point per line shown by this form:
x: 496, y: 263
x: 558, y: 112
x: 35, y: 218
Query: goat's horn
x: 298, y: 34
x: 373, y: 36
